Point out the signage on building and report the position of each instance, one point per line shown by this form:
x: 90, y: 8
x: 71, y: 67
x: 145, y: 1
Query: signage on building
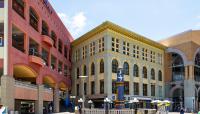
x: 1, y: 41
x: 47, y: 5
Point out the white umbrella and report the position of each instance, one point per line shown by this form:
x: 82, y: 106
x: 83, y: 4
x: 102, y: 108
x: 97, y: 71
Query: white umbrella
x: 135, y: 100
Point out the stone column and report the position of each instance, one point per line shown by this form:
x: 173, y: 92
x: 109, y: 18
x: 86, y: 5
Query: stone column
x: 56, y: 100
x: 8, y: 91
x: 131, y: 79
x: 39, y: 102
x: 108, y: 76
x: 189, y: 94
x: 191, y: 72
x: 96, y: 78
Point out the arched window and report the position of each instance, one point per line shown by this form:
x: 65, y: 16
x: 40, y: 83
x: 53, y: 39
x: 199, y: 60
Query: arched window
x: 114, y: 66
x: 54, y: 38
x: 197, y: 67
x: 126, y: 68
x: 152, y: 74
x: 136, y: 71
x: 77, y: 73
x: 101, y: 66
x: 178, y: 70
x: 159, y: 75
x: 144, y: 71
x: 84, y: 70
x: 34, y: 18
x: 92, y: 69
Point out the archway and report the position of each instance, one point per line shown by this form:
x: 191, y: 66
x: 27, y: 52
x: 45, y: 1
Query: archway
x: 24, y: 73
x: 197, y: 67
x: 177, y: 98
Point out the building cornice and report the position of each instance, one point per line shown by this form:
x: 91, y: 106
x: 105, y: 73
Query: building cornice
x: 111, y: 26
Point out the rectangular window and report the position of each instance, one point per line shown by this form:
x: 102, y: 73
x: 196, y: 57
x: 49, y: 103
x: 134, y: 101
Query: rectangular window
x: 136, y: 88
x: 136, y: 51
x: 85, y: 88
x: 92, y: 48
x: 66, y: 70
x: 18, y: 38
x: 84, y: 52
x: 1, y: 35
x: 33, y: 48
x: 77, y: 90
x: 125, y: 48
x: 126, y: 88
x: 159, y: 58
x: 92, y: 87
x: 33, y: 19
x: 145, y: 90
x: 101, y: 86
x: 45, y: 57
x: 153, y: 90
x: 45, y: 28
x: 53, y: 62
x: 77, y: 55
x: 160, y: 91
x: 18, y: 6
x: 77, y: 73
x: 144, y: 54
x: 115, y: 44
x: 152, y: 56
x: 114, y: 87
x: 101, y: 45
x: 54, y: 38
x: 65, y: 52
x: 60, y: 46
x: 60, y: 67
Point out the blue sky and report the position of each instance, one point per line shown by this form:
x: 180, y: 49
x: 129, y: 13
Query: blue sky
x: 155, y: 19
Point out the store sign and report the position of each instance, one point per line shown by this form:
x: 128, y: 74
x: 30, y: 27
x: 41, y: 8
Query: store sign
x: 46, y: 4
x: 1, y: 41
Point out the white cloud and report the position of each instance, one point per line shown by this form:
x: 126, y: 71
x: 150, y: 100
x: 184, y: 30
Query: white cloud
x: 75, y: 24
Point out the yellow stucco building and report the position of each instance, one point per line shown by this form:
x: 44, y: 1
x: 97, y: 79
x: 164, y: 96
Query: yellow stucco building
x: 100, y: 52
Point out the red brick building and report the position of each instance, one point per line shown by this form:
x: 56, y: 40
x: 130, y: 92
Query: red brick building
x: 34, y: 56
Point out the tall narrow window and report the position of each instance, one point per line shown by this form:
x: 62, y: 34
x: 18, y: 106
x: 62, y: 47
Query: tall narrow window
x: 101, y: 86
x: 159, y: 75
x: 153, y: 93
x: 33, y: 48
x: 45, y: 28
x: 85, y: 88
x: 1, y: 3
x: 136, y: 51
x: 145, y: 91
x: 53, y: 62
x: 60, y: 46
x: 92, y: 48
x: 144, y: 72
x: 45, y: 57
x: 126, y: 88
x: 144, y: 54
x: 77, y: 73
x: 114, y: 66
x: 92, y: 69
x: 92, y: 87
x: 54, y: 38
x: 18, y: 6
x: 65, y: 70
x: 34, y: 19
x: 126, y: 68
x: 84, y: 70
x: 60, y: 67
x: 101, y: 66
x: 101, y: 45
x: 136, y: 88
x: 152, y: 74
x: 84, y: 52
x: 77, y: 89
x: 65, y: 52
x: 136, y: 71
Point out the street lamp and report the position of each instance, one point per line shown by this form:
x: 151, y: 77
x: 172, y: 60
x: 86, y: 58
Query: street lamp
x: 106, y: 101
x: 80, y: 102
x: 90, y: 103
x: 83, y: 90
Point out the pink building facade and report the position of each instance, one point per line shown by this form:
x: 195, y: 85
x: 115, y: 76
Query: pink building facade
x: 34, y: 56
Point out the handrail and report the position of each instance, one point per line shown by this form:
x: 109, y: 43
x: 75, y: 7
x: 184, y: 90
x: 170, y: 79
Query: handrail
x: 25, y: 84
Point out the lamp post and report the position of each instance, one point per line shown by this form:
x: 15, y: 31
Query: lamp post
x: 90, y: 103
x: 83, y: 90
x: 73, y: 98
x: 80, y: 102
x: 106, y: 101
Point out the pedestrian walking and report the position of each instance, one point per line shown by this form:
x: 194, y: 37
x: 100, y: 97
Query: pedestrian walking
x: 182, y: 111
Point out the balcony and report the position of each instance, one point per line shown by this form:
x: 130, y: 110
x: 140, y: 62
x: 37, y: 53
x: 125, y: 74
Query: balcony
x: 34, y: 57
x: 46, y: 39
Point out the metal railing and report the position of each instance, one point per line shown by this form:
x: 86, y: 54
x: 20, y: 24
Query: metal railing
x: 123, y: 111
x: 25, y: 84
